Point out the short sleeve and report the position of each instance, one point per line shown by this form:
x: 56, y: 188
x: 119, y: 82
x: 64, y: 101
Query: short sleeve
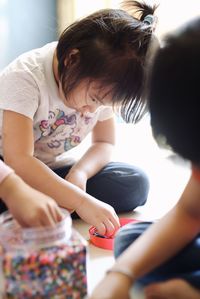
x: 5, y: 170
x: 105, y: 113
x: 19, y: 93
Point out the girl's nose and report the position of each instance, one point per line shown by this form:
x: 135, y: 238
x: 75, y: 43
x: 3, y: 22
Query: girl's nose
x: 89, y: 108
x: 93, y: 108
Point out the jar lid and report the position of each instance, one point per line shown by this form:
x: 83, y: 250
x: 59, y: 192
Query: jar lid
x: 13, y: 236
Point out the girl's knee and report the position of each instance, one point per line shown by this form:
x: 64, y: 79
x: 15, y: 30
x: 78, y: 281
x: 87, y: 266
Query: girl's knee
x: 143, y: 186
x: 127, y: 235
x: 138, y: 189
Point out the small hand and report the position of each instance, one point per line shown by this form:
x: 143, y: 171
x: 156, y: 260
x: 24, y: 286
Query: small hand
x: 29, y: 206
x: 99, y: 214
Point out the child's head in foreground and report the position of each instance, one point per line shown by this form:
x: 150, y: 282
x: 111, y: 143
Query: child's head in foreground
x: 175, y: 91
x: 109, y: 48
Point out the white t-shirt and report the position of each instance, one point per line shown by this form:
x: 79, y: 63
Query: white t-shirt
x: 28, y: 87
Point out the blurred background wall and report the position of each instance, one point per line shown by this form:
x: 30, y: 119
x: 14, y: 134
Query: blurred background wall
x: 28, y: 24
x: 24, y: 25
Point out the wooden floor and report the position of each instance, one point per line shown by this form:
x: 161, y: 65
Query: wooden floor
x: 168, y: 176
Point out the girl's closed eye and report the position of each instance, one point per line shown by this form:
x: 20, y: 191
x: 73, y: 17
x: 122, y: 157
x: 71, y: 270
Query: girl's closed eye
x: 94, y: 101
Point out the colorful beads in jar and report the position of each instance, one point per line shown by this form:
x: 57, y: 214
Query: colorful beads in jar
x: 40, y: 262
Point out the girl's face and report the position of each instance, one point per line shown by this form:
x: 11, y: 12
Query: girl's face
x: 86, y: 97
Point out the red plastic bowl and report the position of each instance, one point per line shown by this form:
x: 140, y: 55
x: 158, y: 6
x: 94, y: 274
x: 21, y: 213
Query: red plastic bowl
x: 104, y: 241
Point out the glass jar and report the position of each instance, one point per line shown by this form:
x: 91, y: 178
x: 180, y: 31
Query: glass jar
x: 42, y: 262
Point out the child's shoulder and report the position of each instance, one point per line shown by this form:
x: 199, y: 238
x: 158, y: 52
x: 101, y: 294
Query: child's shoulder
x: 31, y: 60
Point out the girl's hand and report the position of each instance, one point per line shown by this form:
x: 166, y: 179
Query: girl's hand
x: 113, y: 286
x: 27, y: 205
x: 99, y: 214
x: 78, y: 178
x: 93, y: 211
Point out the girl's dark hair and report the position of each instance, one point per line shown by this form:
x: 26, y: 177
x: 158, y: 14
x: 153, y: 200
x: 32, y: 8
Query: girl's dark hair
x: 175, y: 91
x: 112, y: 48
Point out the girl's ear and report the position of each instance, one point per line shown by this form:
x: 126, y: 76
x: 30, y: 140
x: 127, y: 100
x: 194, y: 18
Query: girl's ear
x: 73, y: 58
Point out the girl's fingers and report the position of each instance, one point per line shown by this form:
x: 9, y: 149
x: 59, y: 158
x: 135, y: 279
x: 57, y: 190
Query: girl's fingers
x: 59, y: 215
x: 47, y: 220
x: 101, y: 228
x: 35, y: 222
x: 23, y: 223
x: 55, y: 212
x: 108, y: 225
x: 47, y: 216
x: 110, y: 228
x: 115, y: 221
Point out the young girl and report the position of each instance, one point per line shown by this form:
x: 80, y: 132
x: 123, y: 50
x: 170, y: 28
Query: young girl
x: 28, y: 206
x: 167, y: 255
x: 52, y: 97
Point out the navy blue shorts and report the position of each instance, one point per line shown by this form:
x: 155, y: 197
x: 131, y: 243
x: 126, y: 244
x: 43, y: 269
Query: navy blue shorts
x: 185, y: 265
